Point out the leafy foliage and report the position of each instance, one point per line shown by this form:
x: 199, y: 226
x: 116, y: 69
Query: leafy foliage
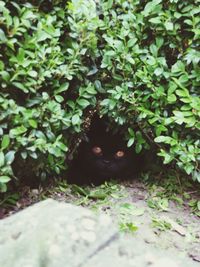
x: 140, y: 60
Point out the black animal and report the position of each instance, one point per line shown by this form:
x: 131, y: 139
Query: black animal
x: 104, y: 156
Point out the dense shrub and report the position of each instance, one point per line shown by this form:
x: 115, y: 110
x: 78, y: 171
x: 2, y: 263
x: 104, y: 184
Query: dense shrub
x: 137, y: 60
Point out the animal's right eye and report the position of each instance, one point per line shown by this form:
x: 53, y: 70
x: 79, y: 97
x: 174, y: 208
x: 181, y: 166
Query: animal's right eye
x: 97, y: 150
x: 119, y: 154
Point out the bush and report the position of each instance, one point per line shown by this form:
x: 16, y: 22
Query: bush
x: 137, y: 60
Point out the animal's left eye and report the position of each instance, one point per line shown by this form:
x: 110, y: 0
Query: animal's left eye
x: 97, y: 150
x: 119, y: 154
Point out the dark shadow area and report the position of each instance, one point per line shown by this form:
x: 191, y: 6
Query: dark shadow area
x: 102, y: 156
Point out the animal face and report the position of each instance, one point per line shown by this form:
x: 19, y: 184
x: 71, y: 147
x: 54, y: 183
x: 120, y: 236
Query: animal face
x: 105, y: 157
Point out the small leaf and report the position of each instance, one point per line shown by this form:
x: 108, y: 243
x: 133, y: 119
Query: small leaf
x: 160, y: 139
x: 169, y: 26
x: 4, y: 179
x: 83, y: 102
x: 62, y: 146
x: 59, y: 98
x: 2, y: 36
x: 18, y: 131
x: 92, y: 71
x: 131, y: 132
x: 62, y: 88
x: 2, y: 159
x: 75, y: 119
x: 109, y: 4
x: 158, y: 71
x: 150, y: 7
x: 171, y: 98
x: 9, y: 157
x: 33, y: 123
x: 20, y: 55
x: 21, y: 87
x: 155, y: 20
x: 130, y: 142
x: 33, y: 73
x: 5, y: 141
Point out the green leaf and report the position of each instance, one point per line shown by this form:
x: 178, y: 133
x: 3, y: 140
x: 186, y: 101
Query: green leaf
x: 167, y: 158
x: 4, y: 179
x: 59, y: 98
x: 109, y: 3
x: 151, y: 61
x: 33, y: 73
x: 150, y: 7
x: 21, y: 55
x: 55, y: 151
x: 80, y: 190
x: 98, y: 86
x: 75, y: 119
x: 62, y: 146
x: 21, y: 87
x: 83, y: 103
x: 91, y: 90
x: 171, y: 98
x: 130, y: 142
x: 2, y: 159
x: 33, y: 123
x: 162, y: 138
x: 131, y: 132
x: 182, y: 93
x: 5, y: 75
x: 92, y: 71
x: 42, y: 36
x: 169, y: 26
x: 158, y: 71
x: 130, y: 59
x: 9, y: 157
x: 138, y: 148
x: 5, y: 142
x: 3, y: 38
x: 62, y: 88
x: 105, y: 102
x: 18, y: 131
x: 155, y: 20
x: 178, y: 114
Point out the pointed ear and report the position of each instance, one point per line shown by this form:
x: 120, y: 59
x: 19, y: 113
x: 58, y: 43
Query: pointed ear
x: 97, y: 127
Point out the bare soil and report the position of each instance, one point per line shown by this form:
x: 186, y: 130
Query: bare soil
x: 144, y: 213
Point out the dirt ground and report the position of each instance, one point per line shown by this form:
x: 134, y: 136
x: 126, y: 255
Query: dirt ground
x: 157, y: 215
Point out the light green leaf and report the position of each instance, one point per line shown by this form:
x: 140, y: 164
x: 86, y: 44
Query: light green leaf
x: 4, y: 179
x: 75, y: 119
x: 59, y: 98
x: 2, y: 36
x: 5, y: 141
x: 9, y: 157
x: 171, y: 98
x: 130, y: 142
x: 18, y: 131
x: 169, y: 26
x: 62, y: 88
x: 33, y: 123
x: 2, y: 159
x: 83, y: 102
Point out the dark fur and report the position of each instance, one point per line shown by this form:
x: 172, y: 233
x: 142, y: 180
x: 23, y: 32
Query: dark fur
x: 90, y: 168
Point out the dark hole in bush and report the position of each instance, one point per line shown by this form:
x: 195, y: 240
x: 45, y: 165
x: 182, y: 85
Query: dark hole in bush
x: 104, y: 155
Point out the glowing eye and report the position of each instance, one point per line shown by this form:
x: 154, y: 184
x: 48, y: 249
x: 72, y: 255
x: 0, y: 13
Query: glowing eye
x: 96, y: 150
x: 119, y: 154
